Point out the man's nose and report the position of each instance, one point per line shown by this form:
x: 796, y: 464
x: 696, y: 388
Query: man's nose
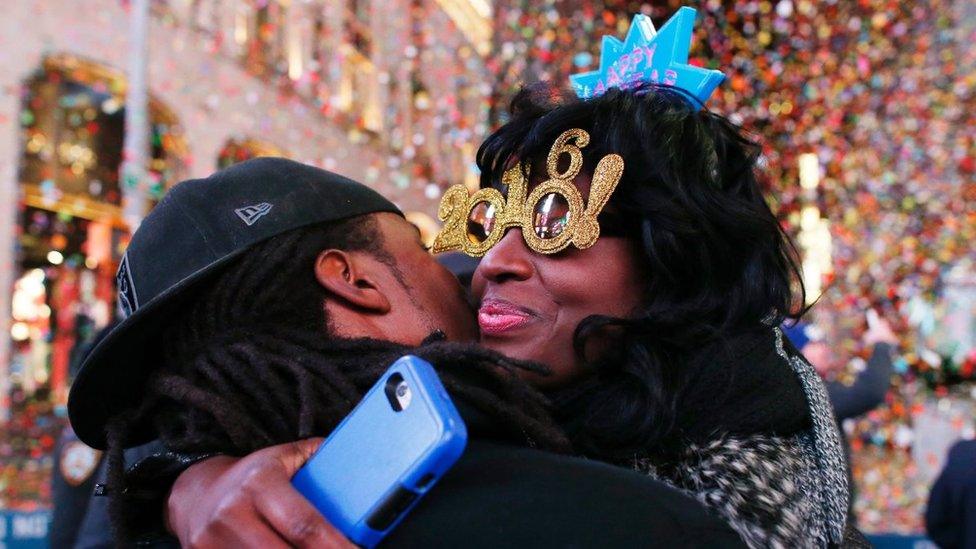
x: 509, y: 259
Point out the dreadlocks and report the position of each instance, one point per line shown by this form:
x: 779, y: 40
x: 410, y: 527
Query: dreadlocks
x: 249, y: 363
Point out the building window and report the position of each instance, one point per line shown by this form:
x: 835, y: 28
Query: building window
x: 264, y: 51
x: 72, y: 127
x: 358, y: 26
x: 71, y: 233
x: 357, y: 94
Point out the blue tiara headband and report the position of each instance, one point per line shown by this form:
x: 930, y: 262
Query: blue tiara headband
x: 648, y: 55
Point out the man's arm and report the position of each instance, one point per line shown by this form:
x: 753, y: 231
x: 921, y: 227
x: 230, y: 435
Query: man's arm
x: 495, y: 496
x: 871, y: 385
x: 869, y: 388
x: 950, y: 516
x: 240, y: 502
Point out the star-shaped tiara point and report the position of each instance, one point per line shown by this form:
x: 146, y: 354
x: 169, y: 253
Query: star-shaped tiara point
x: 650, y: 55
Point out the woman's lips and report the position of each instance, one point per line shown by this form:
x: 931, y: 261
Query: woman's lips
x: 496, y: 317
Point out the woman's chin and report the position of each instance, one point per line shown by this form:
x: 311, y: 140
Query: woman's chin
x: 517, y: 350
x: 559, y: 373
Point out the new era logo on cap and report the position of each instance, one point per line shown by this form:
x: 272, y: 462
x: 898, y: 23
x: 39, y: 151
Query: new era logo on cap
x: 250, y: 214
x: 128, y: 300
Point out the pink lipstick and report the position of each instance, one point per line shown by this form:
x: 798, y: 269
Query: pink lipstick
x: 496, y: 317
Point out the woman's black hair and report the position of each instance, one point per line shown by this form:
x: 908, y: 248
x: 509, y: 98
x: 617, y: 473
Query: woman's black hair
x: 250, y: 362
x: 717, y: 260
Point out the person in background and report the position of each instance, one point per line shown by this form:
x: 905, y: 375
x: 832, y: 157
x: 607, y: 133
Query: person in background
x: 73, y: 478
x: 950, y: 518
x: 870, y: 385
x: 79, y: 520
x: 72, y: 482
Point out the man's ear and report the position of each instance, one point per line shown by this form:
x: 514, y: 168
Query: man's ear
x: 348, y: 276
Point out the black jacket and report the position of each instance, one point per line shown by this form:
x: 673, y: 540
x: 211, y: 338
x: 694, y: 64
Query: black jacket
x: 71, y: 496
x: 500, y: 495
x: 950, y: 519
x: 95, y: 531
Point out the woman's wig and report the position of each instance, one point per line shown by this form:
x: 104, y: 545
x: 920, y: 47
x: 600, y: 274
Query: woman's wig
x: 717, y: 260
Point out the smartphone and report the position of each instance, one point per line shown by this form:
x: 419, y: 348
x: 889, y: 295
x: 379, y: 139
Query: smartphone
x: 386, y: 454
x: 873, y: 319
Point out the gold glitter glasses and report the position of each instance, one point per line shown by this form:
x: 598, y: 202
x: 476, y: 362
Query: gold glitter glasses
x: 551, y: 217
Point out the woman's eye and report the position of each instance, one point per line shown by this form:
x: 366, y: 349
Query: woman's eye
x: 481, y: 221
x: 550, y: 217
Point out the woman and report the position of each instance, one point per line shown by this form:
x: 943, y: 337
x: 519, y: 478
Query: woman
x: 660, y: 335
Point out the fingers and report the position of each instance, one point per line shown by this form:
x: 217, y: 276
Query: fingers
x: 250, y: 502
x: 239, y: 531
x: 219, y: 517
x: 293, y: 517
x: 293, y: 454
x: 191, y: 488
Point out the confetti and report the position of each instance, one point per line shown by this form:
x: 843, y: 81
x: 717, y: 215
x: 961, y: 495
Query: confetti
x: 882, y: 93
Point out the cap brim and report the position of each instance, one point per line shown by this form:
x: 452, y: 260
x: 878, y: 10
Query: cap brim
x: 113, y: 376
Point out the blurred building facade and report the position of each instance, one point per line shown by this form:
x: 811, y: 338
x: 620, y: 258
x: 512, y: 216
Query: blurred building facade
x: 390, y: 93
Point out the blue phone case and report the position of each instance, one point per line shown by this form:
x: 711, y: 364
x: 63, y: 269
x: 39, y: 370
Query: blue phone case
x: 378, y: 462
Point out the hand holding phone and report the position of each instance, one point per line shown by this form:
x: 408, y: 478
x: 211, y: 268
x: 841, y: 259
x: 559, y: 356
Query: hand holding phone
x: 389, y: 451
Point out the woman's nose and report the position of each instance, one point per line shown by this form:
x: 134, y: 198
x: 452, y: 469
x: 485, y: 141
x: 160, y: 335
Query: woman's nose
x: 509, y: 259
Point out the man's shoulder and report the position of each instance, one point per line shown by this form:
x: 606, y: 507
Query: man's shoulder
x: 962, y: 458
x: 518, y: 496
x: 963, y: 449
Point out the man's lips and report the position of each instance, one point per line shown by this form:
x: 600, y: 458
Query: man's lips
x: 496, y: 317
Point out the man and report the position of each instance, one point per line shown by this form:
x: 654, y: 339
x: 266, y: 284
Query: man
x: 870, y: 385
x: 242, y: 290
x: 73, y: 479
x: 950, y: 518
x: 72, y: 482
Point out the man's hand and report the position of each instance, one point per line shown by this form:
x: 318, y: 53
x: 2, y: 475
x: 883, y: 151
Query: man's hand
x: 249, y: 502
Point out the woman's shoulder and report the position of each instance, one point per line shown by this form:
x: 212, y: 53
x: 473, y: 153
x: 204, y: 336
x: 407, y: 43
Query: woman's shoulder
x: 767, y: 487
x: 741, y: 384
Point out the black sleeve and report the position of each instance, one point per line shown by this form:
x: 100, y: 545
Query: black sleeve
x: 95, y: 531
x: 868, y: 390
x: 950, y: 517
x: 153, y: 471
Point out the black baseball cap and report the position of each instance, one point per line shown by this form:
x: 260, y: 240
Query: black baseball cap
x: 200, y: 225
